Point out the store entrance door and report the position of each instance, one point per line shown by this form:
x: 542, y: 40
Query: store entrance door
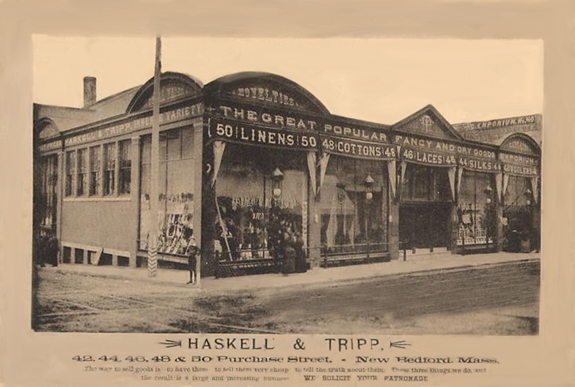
x: 424, y: 225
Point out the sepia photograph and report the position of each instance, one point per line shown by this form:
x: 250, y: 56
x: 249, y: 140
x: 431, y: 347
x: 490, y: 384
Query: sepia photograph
x: 286, y: 186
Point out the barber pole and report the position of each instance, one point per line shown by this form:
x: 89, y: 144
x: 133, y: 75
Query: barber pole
x: 155, y: 172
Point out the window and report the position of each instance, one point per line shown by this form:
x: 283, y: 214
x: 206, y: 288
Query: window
x: 423, y: 183
x: 175, y: 207
x: 109, y: 168
x: 70, y: 172
x: 254, y: 222
x: 82, y: 173
x: 476, y: 209
x: 352, y: 220
x: 48, y: 183
x: 95, y: 165
x: 125, y: 167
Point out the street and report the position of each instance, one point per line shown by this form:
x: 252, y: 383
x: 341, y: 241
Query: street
x: 498, y: 300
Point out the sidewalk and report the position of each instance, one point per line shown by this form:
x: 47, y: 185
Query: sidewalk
x: 414, y: 265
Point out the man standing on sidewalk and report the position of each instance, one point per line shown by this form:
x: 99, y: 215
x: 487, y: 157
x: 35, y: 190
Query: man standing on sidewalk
x: 192, y: 261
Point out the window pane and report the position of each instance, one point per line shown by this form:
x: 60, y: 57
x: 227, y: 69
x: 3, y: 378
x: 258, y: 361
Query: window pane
x: 82, y: 172
x: 70, y: 172
x: 109, y: 168
x: 95, y: 173
x: 125, y: 167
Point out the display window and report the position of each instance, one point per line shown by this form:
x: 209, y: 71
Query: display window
x: 517, y: 212
x: 261, y: 201
x: 354, y: 206
x: 476, y: 209
x: 175, y: 207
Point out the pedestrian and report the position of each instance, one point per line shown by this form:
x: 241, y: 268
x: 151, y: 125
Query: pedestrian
x: 192, y: 261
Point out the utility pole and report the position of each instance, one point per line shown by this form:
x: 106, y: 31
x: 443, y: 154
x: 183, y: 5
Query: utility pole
x: 155, y: 172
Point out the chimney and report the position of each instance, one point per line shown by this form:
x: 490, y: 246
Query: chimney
x: 89, y: 91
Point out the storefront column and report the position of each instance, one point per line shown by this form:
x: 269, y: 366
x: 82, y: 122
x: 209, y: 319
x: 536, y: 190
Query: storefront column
x: 314, y: 230
x: 499, y: 224
x: 198, y: 185
x: 393, y: 227
x: 60, y: 193
x: 135, y: 197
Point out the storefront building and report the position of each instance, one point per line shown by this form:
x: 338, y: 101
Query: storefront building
x: 251, y: 160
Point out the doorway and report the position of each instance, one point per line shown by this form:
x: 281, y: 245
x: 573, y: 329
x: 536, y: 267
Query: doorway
x: 424, y: 225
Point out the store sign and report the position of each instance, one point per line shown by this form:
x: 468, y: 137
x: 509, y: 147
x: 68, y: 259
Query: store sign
x: 519, y: 164
x: 265, y: 94
x: 267, y: 118
x: 427, y: 157
x: 478, y: 165
x: 445, y: 147
x: 501, y: 123
x: 50, y: 146
x: 250, y: 134
x: 135, y: 125
x: 346, y: 130
x: 358, y: 149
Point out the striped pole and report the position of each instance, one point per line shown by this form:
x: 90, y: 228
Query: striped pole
x: 155, y: 172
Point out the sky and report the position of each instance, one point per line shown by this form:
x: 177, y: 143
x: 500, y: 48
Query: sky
x: 379, y: 80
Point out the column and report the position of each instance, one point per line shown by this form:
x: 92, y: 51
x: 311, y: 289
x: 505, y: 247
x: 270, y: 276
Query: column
x: 393, y: 227
x: 453, y: 228
x: 102, y: 171
x: 313, y: 229
x: 499, y: 237
x: 198, y: 172
x: 135, y: 197
x: 59, y: 204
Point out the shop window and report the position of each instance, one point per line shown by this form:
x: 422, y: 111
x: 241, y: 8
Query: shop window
x: 109, y: 168
x: 261, y: 201
x: 518, y: 224
x: 70, y: 172
x: 125, y: 167
x: 82, y: 185
x: 176, y: 187
x: 353, y: 206
x: 476, y: 209
x: 423, y: 183
x: 95, y: 173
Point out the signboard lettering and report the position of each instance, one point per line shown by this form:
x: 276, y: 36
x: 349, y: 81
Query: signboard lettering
x: 268, y: 118
x: 425, y: 157
x: 265, y: 94
x: 363, y: 134
x: 350, y: 147
x: 259, y: 135
x: 49, y: 146
x: 132, y: 126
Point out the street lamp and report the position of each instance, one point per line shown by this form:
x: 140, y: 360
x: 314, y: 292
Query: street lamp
x: 489, y: 192
x: 368, y: 183
x: 528, y: 194
x: 277, y: 178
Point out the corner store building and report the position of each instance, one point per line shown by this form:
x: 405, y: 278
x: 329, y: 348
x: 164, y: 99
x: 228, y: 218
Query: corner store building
x: 272, y: 154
